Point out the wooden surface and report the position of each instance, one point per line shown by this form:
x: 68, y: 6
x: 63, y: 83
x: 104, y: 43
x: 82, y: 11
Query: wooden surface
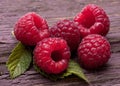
x: 53, y: 10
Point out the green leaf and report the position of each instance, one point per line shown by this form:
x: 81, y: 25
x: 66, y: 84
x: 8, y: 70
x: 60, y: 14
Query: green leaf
x: 73, y: 69
x: 19, y: 60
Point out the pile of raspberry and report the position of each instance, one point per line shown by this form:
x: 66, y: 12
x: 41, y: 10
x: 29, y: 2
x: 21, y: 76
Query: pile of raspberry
x: 84, y: 35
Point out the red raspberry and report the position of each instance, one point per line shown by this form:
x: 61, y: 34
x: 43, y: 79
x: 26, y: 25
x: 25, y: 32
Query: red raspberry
x: 52, y: 55
x: 93, y: 20
x: 93, y: 51
x: 31, y: 28
x: 67, y: 30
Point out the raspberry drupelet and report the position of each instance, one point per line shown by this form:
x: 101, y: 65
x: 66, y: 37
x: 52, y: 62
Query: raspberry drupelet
x: 92, y: 20
x: 31, y: 28
x: 52, y: 55
x: 93, y: 51
x: 68, y: 30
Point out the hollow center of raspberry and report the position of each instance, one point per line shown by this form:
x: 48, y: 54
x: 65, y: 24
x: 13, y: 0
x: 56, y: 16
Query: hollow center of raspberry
x: 89, y: 19
x: 56, y: 56
x: 37, y: 21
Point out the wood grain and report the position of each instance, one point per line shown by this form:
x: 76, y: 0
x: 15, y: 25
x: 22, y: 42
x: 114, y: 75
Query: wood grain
x: 54, y: 10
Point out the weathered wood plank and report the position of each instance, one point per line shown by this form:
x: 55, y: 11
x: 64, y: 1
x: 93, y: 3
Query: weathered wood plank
x: 54, y: 10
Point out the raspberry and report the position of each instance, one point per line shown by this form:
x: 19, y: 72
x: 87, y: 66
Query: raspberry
x: 93, y: 51
x: 93, y: 20
x: 52, y: 55
x: 68, y: 30
x: 30, y: 29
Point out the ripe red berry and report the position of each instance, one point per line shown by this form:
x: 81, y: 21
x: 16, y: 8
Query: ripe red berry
x: 68, y: 30
x: 93, y: 51
x: 52, y: 55
x: 30, y: 29
x: 93, y: 20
